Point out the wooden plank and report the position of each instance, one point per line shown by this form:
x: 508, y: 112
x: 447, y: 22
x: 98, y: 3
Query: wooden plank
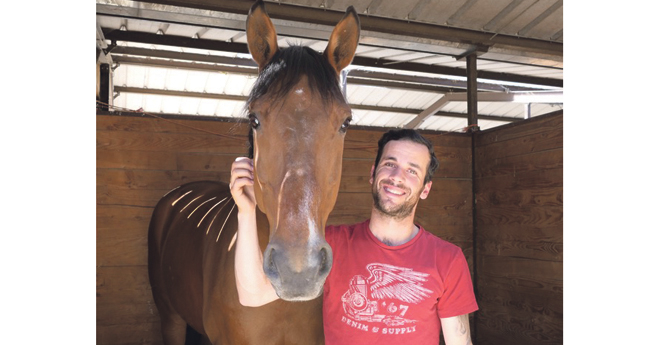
x: 116, y: 195
x: 489, y: 336
x: 122, y: 246
x: 154, y: 179
x: 156, y: 125
x: 114, y: 159
x: 119, y: 216
x: 514, y: 215
x: 511, y: 165
x: 522, y: 232
x: 169, y: 142
x: 534, y: 127
x: 492, y: 336
x: 126, y: 307
x: 519, y: 328
x: 533, y: 180
x: 520, y: 274
x: 216, y: 162
x: 550, y: 140
x: 139, y: 333
x: 552, y: 196
x: 547, y: 308
x: 119, y: 278
x: 538, y: 250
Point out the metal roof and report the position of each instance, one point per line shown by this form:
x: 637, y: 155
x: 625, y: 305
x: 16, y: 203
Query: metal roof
x: 191, y: 58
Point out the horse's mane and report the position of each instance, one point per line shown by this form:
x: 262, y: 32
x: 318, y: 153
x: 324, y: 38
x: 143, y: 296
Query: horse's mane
x: 284, y: 70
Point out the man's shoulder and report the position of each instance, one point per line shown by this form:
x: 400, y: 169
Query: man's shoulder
x: 434, y: 240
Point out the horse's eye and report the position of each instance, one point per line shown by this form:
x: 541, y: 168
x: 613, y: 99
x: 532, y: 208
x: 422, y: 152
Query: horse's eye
x: 344, y: 126
x: 254, y: 122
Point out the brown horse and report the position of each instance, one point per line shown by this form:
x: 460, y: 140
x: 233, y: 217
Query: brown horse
x: 298, y: 117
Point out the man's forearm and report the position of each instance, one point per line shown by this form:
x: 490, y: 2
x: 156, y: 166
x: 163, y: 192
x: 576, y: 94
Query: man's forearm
x: 456, y: 330
x: 254, y: 288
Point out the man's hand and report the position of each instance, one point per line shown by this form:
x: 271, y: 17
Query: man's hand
x: 241, y: 184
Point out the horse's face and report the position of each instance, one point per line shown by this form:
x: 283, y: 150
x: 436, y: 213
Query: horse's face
x: 297, y: 162
x: 298, y: 141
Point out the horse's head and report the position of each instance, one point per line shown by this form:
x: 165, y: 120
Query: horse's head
x: 298, y: 117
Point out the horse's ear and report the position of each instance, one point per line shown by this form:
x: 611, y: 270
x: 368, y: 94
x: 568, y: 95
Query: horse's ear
x: 261, y: 35
x: 344, y: 40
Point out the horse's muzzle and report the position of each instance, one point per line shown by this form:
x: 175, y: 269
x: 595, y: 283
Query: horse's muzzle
x: 298, y: 274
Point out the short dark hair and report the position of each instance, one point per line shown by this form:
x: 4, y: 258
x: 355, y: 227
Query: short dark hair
x: 411, y: 135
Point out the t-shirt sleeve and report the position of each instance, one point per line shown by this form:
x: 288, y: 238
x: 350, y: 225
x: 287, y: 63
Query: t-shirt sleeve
x: 458, y: 295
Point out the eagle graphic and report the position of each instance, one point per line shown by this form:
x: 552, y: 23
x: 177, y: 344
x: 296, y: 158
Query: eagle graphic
x: 388, y: 281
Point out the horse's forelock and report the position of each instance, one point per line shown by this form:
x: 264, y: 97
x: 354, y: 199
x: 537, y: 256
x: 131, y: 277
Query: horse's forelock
x: 283, y: 72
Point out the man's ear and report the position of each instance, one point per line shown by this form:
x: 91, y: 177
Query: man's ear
x: 426, y: 191
x: 371, y: 175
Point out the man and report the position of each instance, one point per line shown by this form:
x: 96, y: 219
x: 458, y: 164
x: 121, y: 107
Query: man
x: 391, y: 282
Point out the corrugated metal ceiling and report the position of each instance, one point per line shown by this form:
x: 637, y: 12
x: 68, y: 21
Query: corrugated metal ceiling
x: 393, y: 79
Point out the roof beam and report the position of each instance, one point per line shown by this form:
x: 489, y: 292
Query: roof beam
x: 128, y: 55
x: 523, y: 97
x: 177, y: 41
x: 240, y: 98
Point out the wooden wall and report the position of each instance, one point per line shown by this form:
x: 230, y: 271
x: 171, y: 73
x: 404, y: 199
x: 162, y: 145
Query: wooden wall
x: 519, y: 227
x: 139, y: 159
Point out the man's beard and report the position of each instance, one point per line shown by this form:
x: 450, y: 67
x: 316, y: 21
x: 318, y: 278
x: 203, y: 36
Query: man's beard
x: 396, y: 211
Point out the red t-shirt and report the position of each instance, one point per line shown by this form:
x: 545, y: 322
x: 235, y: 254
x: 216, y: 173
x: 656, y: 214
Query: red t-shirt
x: 377, y: 294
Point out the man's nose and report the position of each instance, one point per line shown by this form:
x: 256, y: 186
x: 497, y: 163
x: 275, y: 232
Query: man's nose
x: 397, y: 174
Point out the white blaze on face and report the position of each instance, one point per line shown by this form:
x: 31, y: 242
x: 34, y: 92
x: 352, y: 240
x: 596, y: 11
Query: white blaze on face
x: 305, y: 205
x: 255, y: 156
x: 279, y: 199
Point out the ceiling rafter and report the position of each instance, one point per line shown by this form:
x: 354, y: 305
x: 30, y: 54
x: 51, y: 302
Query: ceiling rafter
x: 178, y: 41
x: 239, y: 98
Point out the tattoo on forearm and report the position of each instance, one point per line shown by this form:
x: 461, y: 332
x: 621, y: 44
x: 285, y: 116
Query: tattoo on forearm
x: 464, y: 329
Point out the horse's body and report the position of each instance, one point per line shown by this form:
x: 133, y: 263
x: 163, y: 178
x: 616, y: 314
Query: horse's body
x: 192, y: 233
x: 298, y: 119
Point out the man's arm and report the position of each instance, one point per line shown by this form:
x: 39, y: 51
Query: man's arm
x: 254, y: 288
x: 456, y: 330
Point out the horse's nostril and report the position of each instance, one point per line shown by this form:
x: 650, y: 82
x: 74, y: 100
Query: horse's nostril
x: 270, y: 268
x: 325, y: 260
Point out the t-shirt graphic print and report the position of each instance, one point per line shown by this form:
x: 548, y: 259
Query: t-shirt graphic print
x: 385, y: 295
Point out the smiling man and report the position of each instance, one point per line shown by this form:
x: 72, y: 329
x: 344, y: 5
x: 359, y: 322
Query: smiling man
x: 392, y: 282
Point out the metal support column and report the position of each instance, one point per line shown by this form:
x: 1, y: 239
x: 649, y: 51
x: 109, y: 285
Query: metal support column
x: 472, y: 93
x: 104, y: 87
x: 473, y: 128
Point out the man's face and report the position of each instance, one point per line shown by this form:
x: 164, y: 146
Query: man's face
x: 398, y: 183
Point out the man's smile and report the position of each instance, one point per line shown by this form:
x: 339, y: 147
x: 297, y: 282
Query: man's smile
x: 392, y: 189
